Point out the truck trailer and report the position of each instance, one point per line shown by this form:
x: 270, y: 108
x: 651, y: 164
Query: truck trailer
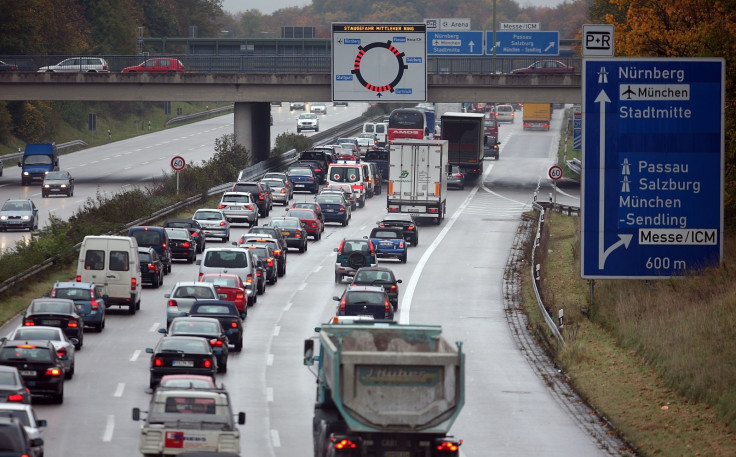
x: 536, y: 116
x: 464, y: 133
x: 417, y: 178
x: 385, y: 389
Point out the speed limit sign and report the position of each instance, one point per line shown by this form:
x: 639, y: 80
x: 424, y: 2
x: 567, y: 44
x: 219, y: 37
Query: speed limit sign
x: 555, y: 172
x: 177, y: 163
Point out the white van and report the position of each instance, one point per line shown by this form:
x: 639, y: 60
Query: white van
x: 350, y: 172
x: 379, y: 129
x: 113, y: 263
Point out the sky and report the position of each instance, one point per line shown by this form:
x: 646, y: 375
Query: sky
x: 269, y: 6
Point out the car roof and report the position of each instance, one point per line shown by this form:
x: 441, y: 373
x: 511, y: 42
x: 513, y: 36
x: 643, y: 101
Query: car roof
x: 74, y: 284
x: 361, y: 288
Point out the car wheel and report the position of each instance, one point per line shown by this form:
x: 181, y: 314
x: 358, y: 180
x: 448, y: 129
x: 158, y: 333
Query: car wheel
x: 43, y: 195
x: 69, y: 374
x: 131, y: 308
x: 152, y: 383
x: 403, y: 258
x: 160, y: 280
x: 138, y: 304
x: 59, y: 397
x: 156, y: 281
x: 79, y: 345
x: 191, y: 259
x: 303, y: 248
x: 345, y: 222
x: 251, y: 301
x: 338, y: 277
x: 222, y: 368
x: 239, y: 345
x: 100, y: 326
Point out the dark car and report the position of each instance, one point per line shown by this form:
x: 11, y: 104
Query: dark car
x: 152, y: 267
x: 389, y: 243
x: 181, y: 355
x: 353, y: 254
x: 334, y: 208
x: 15, y: 440
x: 304, y: 178
x: 379, y: 276
x: 265, y: 253
x: 182, y: 245
x: 8, y: 66
x: 155, y: 237
x: 227, y: 313
x: 365, y: 301
x: 261, y: 194
x: 310, y: 219
x: 88, y: 297
x: 63, y: 344
x: 203, y: 327
x: 194, y: 229
x: 293, y: 231
x: 38, y: 365
x: 12, y: 387
x: 57, y: 183
x: 261, y: 273
x: 455, y: 178
x: 279, y: 252
x: 316, y: 166
x: 407, y: 224
x: 56, y: 312
x: 544, y: 66
x: 275, y: 232
x: 19, y: 214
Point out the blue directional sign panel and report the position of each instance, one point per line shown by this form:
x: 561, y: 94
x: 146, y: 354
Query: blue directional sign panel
x: 524, y: 43
x: 653, y: 167
x: 455, y: 43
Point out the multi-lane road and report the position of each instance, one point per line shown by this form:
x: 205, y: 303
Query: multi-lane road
x: 454, y: 277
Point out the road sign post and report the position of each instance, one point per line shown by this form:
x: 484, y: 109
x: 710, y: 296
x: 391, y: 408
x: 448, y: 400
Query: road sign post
x: 653, y: 166
x: 555, y: 173
x: 178, y: 164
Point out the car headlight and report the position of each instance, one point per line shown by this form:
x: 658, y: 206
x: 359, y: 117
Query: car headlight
x: 3, y: 218
x: 26, y: 217
x: 25, y: 173
x: 46, y: 186
x: 63, y: 186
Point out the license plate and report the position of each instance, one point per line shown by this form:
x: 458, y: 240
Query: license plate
x: 366, y: 315
x: 413, y: 210
x: 55, y: 190
x: 182, y: 363
x: 386, y: 243
x: 328, y: 210
x: 27, y: 372
x: 51, y: 322
x: 300, y: 185
x: 285, y: 233
x: 236, y: 208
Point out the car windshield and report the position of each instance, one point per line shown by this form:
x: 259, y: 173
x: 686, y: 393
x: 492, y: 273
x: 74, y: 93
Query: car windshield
x: 234, y: 198
x: 327, y: 200
x: 16, y: 206
x: 208, y: 216
x: 21, y: 415
x: 373, y: 276
x: 359, y: 297
x: 30, y: 333
x: 197, y: 346
x: 195, y: 327
x: 51, y: 307
x: 39, y: 159
x: 144, y: 257
x: 285, y: 223
x: 308, y: 116
x: 55, y: 175
x: 177, y: 233
x: 301, y: 213
x: 73, y: 293
x: 193, y: 292
x: 345, y: 174
x: 273, y: 183
x: 225, y: 259
x: 221, y: 281
x: 27, y: 352
x: 300, y: 171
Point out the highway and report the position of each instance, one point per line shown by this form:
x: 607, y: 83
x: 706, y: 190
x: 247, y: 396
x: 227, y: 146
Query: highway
x: 454, y: 277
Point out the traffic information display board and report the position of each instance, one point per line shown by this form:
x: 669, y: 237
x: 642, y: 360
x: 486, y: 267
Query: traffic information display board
x: 653, y: 155
x: 376, y: 62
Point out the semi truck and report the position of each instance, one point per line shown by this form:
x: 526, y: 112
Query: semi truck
x: 536, y: 116
x: 417, y: 178
x: 464, y: 133
x: 38, y: 159
x: 385, y: 389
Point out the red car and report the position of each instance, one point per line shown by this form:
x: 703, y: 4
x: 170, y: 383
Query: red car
x: 314, y: 206
x: 157, y: 65
x: 544, y: 66
x: 311, y: 221
x: 230, y: 285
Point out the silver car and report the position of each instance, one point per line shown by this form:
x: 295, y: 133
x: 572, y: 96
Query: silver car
x: 184, y: 295
x: 27, y: 416
x: 279, y: 190
x: 239, y: 207
x: 213, y: 222
x: 78, y: 64
x: 63, y: 344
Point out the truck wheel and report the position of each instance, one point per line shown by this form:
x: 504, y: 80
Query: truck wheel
x: 131, y: 308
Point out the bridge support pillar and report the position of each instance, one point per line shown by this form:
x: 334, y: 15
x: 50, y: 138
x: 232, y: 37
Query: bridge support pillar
x: 252, y: 129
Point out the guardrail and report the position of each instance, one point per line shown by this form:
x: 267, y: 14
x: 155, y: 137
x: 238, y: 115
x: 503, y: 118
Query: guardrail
x: 189, y: 117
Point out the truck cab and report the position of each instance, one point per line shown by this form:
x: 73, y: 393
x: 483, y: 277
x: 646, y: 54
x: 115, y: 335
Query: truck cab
x: 38, y: 159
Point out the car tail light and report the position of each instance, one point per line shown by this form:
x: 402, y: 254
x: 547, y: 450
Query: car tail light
x: 269, y: 261
x: 283, y: 190
x: 344, y: 444
x: 199, y: 278
x: 186, y: 244
x: 393, y: 288
x: 15, y: 397
x: 343, y: 303
x: 342, y: 243
x: 158, y: 362
x: 457, y: 175
x: 94, y: 305
x: 261, y: 197
x: 53, y: 293
x: 217, y: 343
x: 195, y: 234
x: 381, y: 225
x: 240, y: 295
x: 28, y: 323
x: 53, y: 372
x: 310, y: 179
x: 220, y: 206
x: 259, y: 274
x: 277, y: 252
x: 207, y: 363
x: 172, y: 303
x: 298, y: 234
x: 342, y: 208
x: 445, y: 447
x: 133, y: 283
x: 386, y: 305
x: 250, y: 207
x: 401, y: 244
x: 79, y: 278
x: 370, y: 243
x: 163, y: 245
x: 411, y: 227
x: 61, y: 352
x: 72, y: 324
x: 152, y: 267
x: 223, y: 223
x: 249, y: 279
x: 234, y: 324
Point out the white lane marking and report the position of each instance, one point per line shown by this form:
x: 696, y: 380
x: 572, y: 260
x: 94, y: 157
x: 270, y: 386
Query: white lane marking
x: 269, y: 360
x: 109, y: 427
x: 288, y: 305
x: 276, y: 330
x: 409, y: 294
x: 275, y: 440
x: 119, y: 390
x: 136, y: 354
x: 269, y: 394
x: 154, y: 327
x: 319, y: 267
x: 302, y: 286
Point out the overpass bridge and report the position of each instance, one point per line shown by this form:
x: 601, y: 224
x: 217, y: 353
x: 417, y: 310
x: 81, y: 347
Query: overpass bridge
x: 252, y: 92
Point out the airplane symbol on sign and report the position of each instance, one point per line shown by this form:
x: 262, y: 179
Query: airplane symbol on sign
x: 628, y: 92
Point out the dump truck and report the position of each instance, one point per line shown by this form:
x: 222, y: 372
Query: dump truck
x: 464, y: 133
x: 536, y: 116
x: 385, y: 389
x: 417, y: 178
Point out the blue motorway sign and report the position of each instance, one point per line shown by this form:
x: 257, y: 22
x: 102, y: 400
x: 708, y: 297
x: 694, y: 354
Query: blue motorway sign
x: 520, y: 43
x: 652, y: 177
x: 455, y: 43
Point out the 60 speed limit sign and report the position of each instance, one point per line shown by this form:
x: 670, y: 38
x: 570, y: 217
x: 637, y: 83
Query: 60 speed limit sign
x: 177, y: 163
x: 555, y: 172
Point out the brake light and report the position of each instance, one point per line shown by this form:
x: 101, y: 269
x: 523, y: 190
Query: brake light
x: 133, y: 283
x: 260, y: 197
x: 342, y: 208
x: 158, y: 362
x: 15, y: 397
x: 259, y: 274
x: 186, y: 244
x: 298, y: 234
x: 172, y: 303
x: 216, y: 343
x: 199, y: 278
x: 152, y: 267
x: 207, y: 363
x: 72, y: 324
x: 283, y: 190
x: 220, y: 206
x: 163, y: 245
x: 28, y: 323
x: 53, y: 293
x: 234, y: 324
x: 94, y: 305
x: 381, y: 225
x: 411, y: 227
x: 393, y: 288
x: 449, y: 446
x: 457, y: 175
x: 370, y: 243
x: 53, y: 372
x: 269, y: 261
x: 345, y: 444
x: 401, y: 244
x: 195, y: 234
x: 386, y: 305
x: 342, y: 243
x: 79, y: 278
x: 277, y: 252
x: 343, y: 303
x: 61, y: 352
x: 249, y: 279
x: 239, y: 295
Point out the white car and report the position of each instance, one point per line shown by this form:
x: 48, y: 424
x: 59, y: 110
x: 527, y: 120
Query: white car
x: 318, y: 108
x: 78, y: 64
x: 63, y: 344
x: 505, y: 113
x: 239, y: 207
x: 213, y: 222
x: 307, y: 121
x: 184, y: 294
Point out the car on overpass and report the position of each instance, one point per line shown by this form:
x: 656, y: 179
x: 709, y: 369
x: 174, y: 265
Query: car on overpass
x: 157, y: 65
x: 544, y: 66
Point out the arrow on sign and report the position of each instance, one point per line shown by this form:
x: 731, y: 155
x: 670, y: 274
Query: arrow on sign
x: 623, y: 239
x: 471, y: 44
x: 550, y: 46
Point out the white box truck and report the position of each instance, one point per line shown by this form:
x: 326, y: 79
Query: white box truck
x: 417, y: 178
